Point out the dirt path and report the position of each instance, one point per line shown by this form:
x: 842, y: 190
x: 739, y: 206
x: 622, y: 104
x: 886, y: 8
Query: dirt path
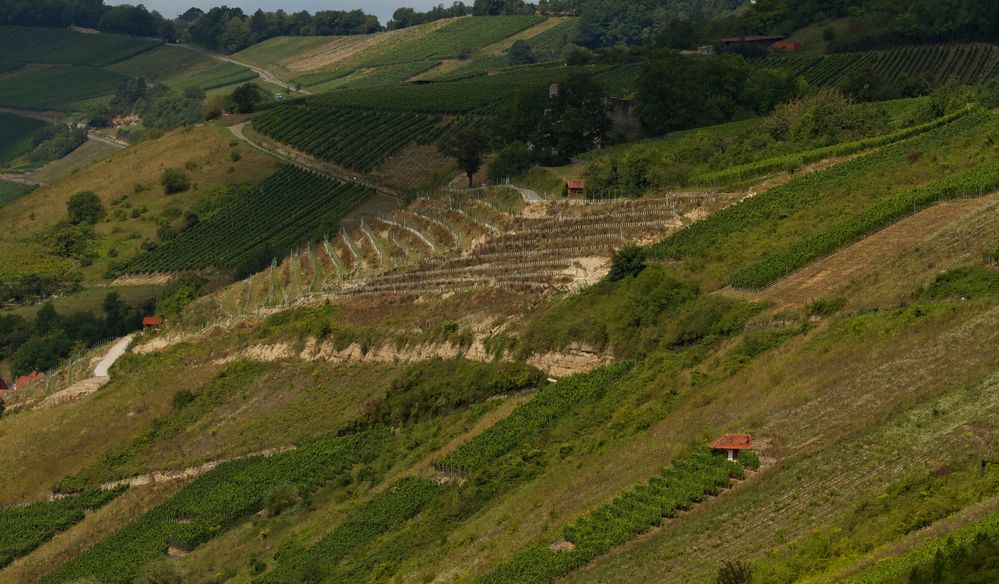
x: 108, y: 141
x: 91, y: 385
x: 826, y: 276
x: 264, y: 74
x: 23, y: 179
x: 117, y: 350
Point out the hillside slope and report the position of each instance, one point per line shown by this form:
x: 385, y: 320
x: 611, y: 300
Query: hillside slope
x: 477, y: 386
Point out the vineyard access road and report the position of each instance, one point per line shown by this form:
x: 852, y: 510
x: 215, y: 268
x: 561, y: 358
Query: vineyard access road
x: 264, y: 74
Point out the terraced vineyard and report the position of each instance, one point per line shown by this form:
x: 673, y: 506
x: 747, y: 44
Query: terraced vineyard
x: 437, y: 246
x: 288, y: 208
x: 357, y: 139
x: 970, y: 64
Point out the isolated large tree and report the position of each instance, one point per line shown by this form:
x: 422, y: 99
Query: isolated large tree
x: 85, y: 208
x: 469, y: 146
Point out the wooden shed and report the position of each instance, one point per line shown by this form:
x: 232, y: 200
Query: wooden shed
x: 731, y: 444
x: 575, y: 187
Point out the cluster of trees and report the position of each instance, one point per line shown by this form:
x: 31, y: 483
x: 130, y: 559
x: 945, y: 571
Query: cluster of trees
x: 542, y: 125
x: 122, y: 19
x: 243, y: 100
x: 51, y: 337
x: 33, y: 288
x: 878, y: 23
x: 221, y: 28
x: 229, y: 29
x: 159, y: 106
x: 406, y: 17
x: 676, y: 92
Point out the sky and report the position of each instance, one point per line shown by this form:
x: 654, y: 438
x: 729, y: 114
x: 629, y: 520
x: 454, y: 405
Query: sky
x: 383, y: 9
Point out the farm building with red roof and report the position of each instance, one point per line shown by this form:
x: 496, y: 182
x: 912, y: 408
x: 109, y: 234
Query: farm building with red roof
x: 575, y: 187
x: 731, y: 444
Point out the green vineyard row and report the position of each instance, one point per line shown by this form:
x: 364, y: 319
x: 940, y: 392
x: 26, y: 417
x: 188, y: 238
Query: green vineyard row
x: 385, y: 512
x: 970, y: 64
x: 287, y: 209
x: 25, y: 528
x: 690, y: 480
x: 548, y: 406
x: 358, y: 139
x: 214, y: 503
x: 798, y: 194
x: 791, y: 162
x: 975, y: 182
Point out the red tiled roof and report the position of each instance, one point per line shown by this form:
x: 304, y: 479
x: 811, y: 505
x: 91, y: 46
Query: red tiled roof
x: 152, y: 321
x: 29, y: 379
x: 576, y: 184
x: 734, y: 442
x: 753, y: 38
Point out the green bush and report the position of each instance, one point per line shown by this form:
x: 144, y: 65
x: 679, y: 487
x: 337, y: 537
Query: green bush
x: 826, y: 306
x: 280, y: 497
x: 175, y: 181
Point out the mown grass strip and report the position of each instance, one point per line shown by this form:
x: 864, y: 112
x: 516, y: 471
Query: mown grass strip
x: 975, y: 182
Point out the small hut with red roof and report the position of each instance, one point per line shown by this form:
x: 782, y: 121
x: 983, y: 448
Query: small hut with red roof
x: 732, y: 444
x: 25, y: 381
